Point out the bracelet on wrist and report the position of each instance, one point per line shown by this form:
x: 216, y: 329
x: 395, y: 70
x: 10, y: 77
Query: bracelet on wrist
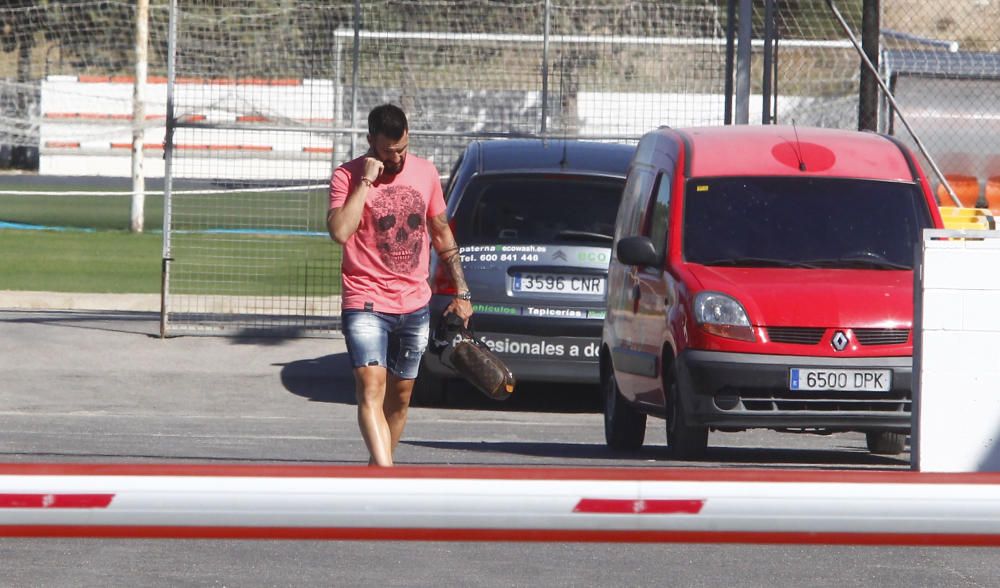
x: 367, y: 182
x: 467, y: 295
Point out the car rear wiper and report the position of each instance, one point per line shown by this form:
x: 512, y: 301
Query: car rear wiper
x: 757, y: 262
x: 571, y: 235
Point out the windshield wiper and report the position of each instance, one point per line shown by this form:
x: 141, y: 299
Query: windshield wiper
x: 571, y: 235
x: 757, y: 262
x: 859, y: 262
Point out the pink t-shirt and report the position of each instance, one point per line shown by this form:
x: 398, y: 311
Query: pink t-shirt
x: 386, y: 260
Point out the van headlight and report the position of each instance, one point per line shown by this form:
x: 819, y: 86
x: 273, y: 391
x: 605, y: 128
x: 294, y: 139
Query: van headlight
x: 722, y: 315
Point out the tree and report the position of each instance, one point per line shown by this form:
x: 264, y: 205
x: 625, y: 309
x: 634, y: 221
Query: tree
x: 20, y: 24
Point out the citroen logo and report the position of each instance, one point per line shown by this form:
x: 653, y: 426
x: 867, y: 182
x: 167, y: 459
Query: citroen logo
x: 839, y: 341
x: 559, y: 255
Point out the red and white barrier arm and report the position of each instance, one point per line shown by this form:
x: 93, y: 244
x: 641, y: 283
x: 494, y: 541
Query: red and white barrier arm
x: 506, y: 504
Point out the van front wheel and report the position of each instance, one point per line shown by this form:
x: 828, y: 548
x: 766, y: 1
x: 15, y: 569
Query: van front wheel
x: 624, y: 426
x: 685, y: 441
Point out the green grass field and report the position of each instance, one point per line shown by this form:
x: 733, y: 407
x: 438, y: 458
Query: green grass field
x: 249, y: 243
x: 120, y: 262
x: 54, y: 261
x: 300, y: 210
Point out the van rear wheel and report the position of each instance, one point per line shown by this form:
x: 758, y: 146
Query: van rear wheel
x: 684, y: 440
x: 885, y: 442
x: 624, y: 426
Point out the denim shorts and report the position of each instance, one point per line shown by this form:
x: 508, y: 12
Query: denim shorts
x: 393, y: 341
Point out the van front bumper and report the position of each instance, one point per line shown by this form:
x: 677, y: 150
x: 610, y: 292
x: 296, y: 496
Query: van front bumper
x: 740, y: 390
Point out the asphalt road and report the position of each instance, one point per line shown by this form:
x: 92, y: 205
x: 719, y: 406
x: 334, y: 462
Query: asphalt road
x: 101, y: 387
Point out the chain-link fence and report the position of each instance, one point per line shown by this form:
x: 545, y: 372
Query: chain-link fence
x: 269, y: 96
x: 942, y: 62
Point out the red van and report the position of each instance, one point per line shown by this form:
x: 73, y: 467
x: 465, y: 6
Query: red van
x: 763, y: 278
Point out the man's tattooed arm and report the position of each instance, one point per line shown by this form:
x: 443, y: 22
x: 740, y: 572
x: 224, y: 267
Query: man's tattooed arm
x: 443, y: 241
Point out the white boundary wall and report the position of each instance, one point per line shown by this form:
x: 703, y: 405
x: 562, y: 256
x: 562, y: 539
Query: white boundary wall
x: 86, y: 128
x: 957, y: 355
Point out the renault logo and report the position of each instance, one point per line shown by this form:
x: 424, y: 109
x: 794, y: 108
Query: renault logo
x: 839, y: 341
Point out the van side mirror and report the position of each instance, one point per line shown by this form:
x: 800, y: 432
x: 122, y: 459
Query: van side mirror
x: 638, y: 251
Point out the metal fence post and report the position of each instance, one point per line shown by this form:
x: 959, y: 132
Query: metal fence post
x: 545, y: 65
x: 730, y: 59
x: 139, y: 115
x: 868, y: 88
x: 168, y: 161
x: 355, y: 76
x: 743, y: 63
x: 765, y: 112
x: 338, y: 98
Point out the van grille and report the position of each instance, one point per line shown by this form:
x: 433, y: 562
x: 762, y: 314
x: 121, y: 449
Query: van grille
x: 796, y: 335
x: 813, y: 335
x: 882, y: 336
x: 769, y: 400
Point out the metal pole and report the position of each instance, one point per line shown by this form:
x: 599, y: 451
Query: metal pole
x: 139, y: 115
x: 893, y: 78
x: 545, y: 66
x: 168, y: 164
x: 892, y: 100
x: 355, y: 76
x: 743, y: 63
x: 774, y: 78
x: 730, y: 59
x: 868, y: 89
x: 338, y: 98
x: 765, y: 112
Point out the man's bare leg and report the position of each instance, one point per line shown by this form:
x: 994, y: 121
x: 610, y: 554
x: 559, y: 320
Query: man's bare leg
x: 369, y: 388
x: 396, y: 405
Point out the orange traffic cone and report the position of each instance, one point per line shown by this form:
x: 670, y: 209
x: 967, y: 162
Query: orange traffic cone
x: 993, y: 194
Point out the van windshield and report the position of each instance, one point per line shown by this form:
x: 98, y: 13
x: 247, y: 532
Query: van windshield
x: 538, y: 209
x: 803, y: 222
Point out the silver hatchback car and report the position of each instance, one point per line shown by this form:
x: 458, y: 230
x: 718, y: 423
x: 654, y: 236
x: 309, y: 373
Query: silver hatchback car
x: 535, y: 221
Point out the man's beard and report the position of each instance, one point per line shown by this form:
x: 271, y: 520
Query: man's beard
x: 393, y: 170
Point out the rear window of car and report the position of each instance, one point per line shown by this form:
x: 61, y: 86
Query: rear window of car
x: 803, y: 222
x: 538, y: 210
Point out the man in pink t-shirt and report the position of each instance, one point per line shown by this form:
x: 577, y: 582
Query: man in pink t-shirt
x: 386, y: 207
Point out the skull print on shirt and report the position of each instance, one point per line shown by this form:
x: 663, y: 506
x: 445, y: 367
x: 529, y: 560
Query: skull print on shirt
x: 398, y: 212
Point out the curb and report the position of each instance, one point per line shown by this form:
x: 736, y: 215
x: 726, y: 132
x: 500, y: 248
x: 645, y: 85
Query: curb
x: 28, y: 300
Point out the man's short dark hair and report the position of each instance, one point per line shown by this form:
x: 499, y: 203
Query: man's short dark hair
x: 388, y: 120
